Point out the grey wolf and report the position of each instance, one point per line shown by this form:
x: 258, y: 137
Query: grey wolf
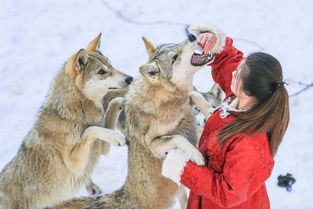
x: 60, y: 151
x: 158, y: 118
x: 205, y: 103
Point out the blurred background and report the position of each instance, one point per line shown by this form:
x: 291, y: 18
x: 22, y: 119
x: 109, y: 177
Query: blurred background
x: 37, y: 37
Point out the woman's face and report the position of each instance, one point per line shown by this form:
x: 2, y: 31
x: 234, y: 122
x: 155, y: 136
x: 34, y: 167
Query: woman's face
x: 236, y: 83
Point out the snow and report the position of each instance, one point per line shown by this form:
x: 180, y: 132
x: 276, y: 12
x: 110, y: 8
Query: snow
x: 37, y: 37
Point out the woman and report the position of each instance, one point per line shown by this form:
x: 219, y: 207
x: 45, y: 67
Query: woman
x: 240, y: 139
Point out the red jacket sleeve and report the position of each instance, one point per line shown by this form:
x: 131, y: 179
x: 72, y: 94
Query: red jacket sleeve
x: 224, y: 64
x: 246, y: 168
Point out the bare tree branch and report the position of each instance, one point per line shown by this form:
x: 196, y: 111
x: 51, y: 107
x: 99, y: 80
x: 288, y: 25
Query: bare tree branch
x: 131, y: 21
x: 128, y: 20
x: 302, y: 90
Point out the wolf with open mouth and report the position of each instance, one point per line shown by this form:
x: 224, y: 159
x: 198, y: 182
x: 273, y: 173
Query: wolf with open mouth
x: 158, y: 118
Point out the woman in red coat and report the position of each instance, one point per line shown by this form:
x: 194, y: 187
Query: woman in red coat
x: 242, y: 136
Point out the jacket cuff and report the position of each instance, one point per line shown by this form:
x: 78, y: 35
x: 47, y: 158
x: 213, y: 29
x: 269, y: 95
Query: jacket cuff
x: 192, y: 174
x: 220, y: 36
x: 174, y: 164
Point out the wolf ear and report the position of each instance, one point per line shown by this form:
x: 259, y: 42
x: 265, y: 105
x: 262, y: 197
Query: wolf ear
x: 81, y: 59
x: 149, y: 47
x: 150, y: 71
x: 94, y: 45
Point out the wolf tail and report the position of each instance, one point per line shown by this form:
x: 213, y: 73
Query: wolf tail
x: 78, y: 203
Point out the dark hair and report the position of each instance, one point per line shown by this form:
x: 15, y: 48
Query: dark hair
x: 262, y: 78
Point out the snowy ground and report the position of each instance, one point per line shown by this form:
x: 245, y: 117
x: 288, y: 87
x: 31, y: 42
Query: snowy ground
x: 38, y: 36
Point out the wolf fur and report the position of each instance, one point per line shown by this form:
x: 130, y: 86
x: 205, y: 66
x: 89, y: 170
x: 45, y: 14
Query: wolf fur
x: 158, y: 118
x: 60, y: 151
x: 205, y: 103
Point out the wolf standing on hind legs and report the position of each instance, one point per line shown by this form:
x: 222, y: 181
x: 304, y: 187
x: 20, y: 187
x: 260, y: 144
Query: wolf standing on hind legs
x: 57, y: 156
x: 158, y: 118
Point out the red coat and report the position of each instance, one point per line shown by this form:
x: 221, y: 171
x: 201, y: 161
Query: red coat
x: 235, y: 174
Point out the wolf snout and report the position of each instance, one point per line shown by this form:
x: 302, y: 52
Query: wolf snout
x: 129, y: 79
x: 191, y: 37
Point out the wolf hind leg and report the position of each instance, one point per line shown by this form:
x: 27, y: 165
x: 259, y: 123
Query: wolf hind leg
x: 92, y: 188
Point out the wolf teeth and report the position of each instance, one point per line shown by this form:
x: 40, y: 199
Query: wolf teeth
x: 197, y: 51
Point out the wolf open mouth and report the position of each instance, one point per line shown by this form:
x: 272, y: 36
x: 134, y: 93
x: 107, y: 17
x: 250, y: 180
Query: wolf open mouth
x: 199, y: 58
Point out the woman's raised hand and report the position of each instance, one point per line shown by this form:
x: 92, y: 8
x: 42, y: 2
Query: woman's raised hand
x: 206, y: 41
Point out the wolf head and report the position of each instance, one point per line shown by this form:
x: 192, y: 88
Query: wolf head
x: 93, y: 73
x: 173, y: 65
x: 215, y: 96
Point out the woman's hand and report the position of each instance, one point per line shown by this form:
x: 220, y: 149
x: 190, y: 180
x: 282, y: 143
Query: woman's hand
x: 206, y: 41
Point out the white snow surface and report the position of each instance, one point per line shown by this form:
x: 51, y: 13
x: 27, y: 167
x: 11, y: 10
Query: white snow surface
x: 37, y: 37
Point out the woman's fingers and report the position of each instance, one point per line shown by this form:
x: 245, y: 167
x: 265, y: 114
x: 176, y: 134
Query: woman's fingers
x: 200, y: 39
x: 210, y: 42
x: 206, y: 41
x: 203, y: 40
x: 207, y: 46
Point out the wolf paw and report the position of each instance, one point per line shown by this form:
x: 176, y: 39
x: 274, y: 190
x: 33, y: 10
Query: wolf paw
x: 198, y: 100
x: 197, y: 158
x: 183, y: 144
x: 194, y: 97
x: 116, y: 139
x: 118, y: 101
x: 93, y: 189
x: 121, y: 140
x: 159, y: 154
x: 107, y: 135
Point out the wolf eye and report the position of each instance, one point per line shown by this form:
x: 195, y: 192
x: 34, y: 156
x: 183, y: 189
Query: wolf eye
x: 152, y: 73
x: 101, y: 72
x: 174, y: 58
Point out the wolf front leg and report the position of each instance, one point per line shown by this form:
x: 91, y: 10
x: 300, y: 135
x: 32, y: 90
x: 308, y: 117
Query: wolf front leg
x: 111, y: 118
x: 78, y: 157
x: 160, y: 146
x: 182, y: 197
x: 112, y: 113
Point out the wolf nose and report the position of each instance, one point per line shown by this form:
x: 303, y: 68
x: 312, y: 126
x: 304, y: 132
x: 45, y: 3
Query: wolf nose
x: 191, y: 37
x: 129, y: 79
